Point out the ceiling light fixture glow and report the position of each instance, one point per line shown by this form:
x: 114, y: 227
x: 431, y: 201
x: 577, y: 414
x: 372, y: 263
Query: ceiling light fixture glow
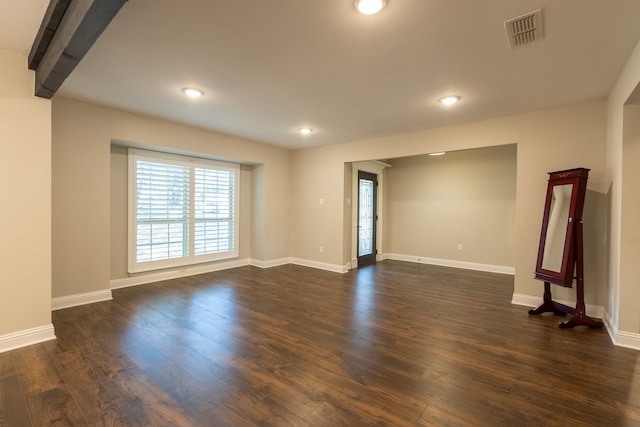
x: 449, y: 100
x: 305, y: 131
x: 369, y: 7
x: 192, y: 93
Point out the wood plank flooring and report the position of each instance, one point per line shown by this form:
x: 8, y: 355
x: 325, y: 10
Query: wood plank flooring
x: 392, y: 344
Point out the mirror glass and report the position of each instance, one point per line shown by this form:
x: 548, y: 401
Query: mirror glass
x: 557, y: 227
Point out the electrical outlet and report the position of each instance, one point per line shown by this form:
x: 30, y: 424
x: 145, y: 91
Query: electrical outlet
x: 459, y: 246
x: 321, y: 249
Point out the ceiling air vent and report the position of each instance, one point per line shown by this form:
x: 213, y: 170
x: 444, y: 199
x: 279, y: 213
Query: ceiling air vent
x: 524, y: 29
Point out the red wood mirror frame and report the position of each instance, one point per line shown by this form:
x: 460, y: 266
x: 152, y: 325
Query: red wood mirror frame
x: 563, y: 208
x: 560, y: 252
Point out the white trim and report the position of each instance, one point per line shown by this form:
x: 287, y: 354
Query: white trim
x: 610, y: 323
x: 189, y: 258
x: 271, y: 263
x: 377, y: 163
x: 453, y: 263
x: 611, y: 329
x: 596, y: 311
x: 627, y: 340
x: 320, y: 265
x: 184, y: 272
x: 27, y: 337
x: 80, y: 299
x: 621, y: 338
x: 174, y: 274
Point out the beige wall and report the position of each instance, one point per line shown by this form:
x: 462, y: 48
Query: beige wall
x: 82, y: 180
x: 623, y: 286
x: 548, y: 140
x: 118, y: 212
x: 318, y: 173
x: 25, y: 192
x: 287, y: 218
x: 432, y: 203
x: 258, y: 201
x: 630, y: 222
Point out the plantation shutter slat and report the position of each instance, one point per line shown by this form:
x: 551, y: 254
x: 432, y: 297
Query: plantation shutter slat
x: 214, y: 211
x: 184, y: 211
x: 162, y: 210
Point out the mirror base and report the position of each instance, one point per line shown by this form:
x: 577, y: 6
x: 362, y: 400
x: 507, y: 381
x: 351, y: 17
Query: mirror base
x: 554, y: 307
x: 550, y: 306
x: 580, y: 319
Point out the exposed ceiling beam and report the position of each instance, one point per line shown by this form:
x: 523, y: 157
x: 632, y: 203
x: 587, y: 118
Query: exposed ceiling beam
x: 52, y: 17
x: 68, y: 30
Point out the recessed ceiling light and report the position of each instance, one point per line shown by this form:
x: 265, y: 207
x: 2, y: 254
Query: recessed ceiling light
x: 305, y: 131
x: 369, y: 7
x: 449, y: 100
x: 439, y: 153
x: 193, y: 93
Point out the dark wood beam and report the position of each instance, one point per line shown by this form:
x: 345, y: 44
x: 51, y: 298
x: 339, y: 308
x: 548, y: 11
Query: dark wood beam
x: 67, y: 32
x: 52, y: 17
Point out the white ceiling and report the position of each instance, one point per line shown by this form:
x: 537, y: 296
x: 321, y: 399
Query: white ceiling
x: 269, y: 67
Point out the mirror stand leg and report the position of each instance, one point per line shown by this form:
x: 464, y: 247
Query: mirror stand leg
x: 549, y: 305
x: 580, y: 317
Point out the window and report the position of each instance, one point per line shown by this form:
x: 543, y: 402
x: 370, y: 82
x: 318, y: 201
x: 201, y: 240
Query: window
x: 182, y: 210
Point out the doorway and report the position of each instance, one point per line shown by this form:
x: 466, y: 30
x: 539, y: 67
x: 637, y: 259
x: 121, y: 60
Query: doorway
x: 367, y: 217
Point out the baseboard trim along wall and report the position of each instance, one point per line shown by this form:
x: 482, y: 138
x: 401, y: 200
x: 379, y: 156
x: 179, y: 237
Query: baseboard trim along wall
x: 80, y: 299
x: 26, y: 337
x: 320, y: 265
x: 627, y: 339
x: 619, y: 338
x: 453, y: 263
x: 271, y: 263
x: 177, y: 273
x: 45, y: 333
x: 208, y: 268
x: 336, y: 268
x: 596, y: 311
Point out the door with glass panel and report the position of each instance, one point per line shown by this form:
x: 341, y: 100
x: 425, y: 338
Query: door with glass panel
x: 367, y: 217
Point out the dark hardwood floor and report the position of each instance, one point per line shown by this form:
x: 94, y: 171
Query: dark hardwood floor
x: 392, y: 344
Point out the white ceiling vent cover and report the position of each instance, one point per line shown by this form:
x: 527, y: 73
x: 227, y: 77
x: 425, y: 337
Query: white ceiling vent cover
x: 524, y: 29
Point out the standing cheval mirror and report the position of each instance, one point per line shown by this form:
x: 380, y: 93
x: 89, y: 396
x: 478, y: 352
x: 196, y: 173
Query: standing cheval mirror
x: 560, y: 252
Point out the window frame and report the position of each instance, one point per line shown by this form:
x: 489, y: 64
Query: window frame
x: 192, y: 163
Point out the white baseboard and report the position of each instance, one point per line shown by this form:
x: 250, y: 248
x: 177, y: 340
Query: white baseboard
x: 270, y: 263
x: 80, y: 299
x: 621, y: 338
x: 26, y: 337
x: 174, y: 274
x: 184, y: 272
x: 596, y: 311
x: 453, y: 263
x: 627, y: 340
x: 320, y: 265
